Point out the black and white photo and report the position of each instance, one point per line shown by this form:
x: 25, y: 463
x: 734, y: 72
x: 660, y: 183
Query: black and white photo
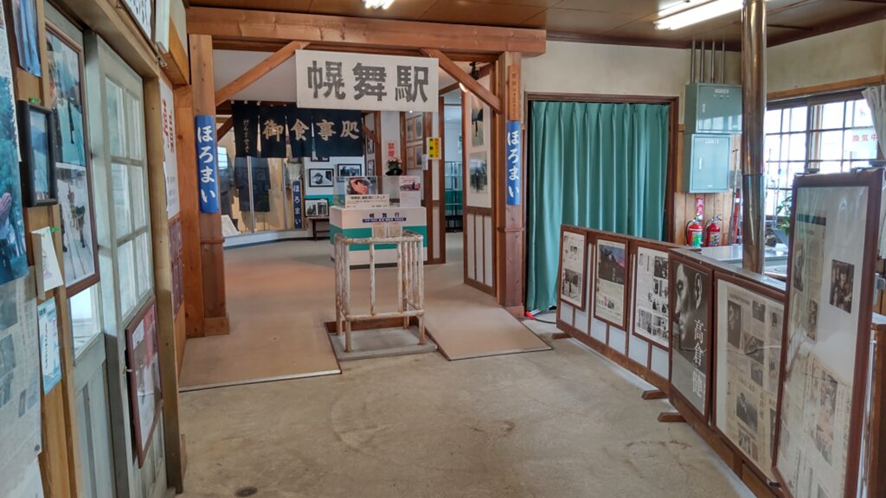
x: 316, y: 208
x: 842, y: 276
x: 573, y: 264
x: 321, y: 177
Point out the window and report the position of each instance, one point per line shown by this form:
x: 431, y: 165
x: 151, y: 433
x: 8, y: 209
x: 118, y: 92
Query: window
x: 829, y: 134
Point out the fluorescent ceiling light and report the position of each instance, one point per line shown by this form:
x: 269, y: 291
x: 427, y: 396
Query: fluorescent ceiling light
x: 704, y: 12
x: 377, y: 4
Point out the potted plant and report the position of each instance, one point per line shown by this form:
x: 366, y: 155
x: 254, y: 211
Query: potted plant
x: 394, y: 167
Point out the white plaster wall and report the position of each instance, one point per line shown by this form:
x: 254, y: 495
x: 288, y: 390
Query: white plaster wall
x: 845, y: 55
x: 276, y: 86
x: 390, y: 132
x: 590, y: 68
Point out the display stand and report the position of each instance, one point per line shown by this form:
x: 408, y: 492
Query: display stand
x: 410, y: 283
x: 639, y: 352
x: 372, y: 222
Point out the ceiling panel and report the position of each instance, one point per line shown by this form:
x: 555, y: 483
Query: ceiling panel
x: 274, y: 5
x: 534, y: 3
x: 578, y: 21
x: 816, y: 14
x: 464, y: 12
x: 639, y: 8
x: 401, y: 9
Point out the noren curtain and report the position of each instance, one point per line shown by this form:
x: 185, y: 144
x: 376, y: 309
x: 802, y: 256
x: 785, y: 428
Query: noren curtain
x: 596, y: 165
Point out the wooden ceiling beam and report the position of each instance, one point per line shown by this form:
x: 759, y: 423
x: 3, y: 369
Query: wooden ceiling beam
x: 464, y: 78
x: 262, y: 68
x: 262, y: 26
x: 224, y: 128
x: 273, y: 46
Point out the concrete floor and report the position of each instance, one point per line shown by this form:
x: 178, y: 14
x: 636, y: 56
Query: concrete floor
x: 561, y: 423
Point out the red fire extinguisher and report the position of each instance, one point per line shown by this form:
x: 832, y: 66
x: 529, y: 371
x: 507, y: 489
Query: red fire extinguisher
x: 694, y: 232
x: 712, y: 232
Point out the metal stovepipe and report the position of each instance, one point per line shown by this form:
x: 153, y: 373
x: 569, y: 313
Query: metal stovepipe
x: 753, y: 71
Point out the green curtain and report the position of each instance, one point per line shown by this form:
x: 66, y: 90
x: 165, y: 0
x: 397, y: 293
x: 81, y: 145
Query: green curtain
x: 601, y: 166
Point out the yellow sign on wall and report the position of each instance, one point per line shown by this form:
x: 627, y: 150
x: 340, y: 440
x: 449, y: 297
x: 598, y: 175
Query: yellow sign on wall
x: 434, y: 148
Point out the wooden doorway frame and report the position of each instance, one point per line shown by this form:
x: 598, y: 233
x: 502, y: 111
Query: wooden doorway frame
x: 285, y: 33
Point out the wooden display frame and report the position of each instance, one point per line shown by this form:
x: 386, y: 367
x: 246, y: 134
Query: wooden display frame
x: 626, y: 311
x: 873, y: 180
x: 28, y: 162
x: 643, y: 370
x: 584, y: 284
x: 142, y: 441
x: 677, y: 399
x: 636, y: 245
x: 757, y: 287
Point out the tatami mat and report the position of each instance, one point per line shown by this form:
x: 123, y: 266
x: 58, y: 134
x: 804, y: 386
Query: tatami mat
x: 279, y: 295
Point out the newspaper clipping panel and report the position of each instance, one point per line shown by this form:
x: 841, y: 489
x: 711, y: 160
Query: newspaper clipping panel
x: 822, y: 328
x: 611, y: 277
x: 572, y: 276
x: 19, y: 381
x: 749, y: 328
x: 652, y: 296
x: 691, y: 331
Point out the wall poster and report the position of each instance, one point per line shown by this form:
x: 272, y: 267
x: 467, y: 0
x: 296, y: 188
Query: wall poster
x: 50, y: 359
x: 170, y: 164
x: 20, y: 434
x: 828, y: 317
x: 749, y: 329
x: 610, y: 293
x: 651, y: 284
x: 691, y: 333
x: 13, y: 258
x: 573, y: 268
x: 477, y: 150
x: 143, y: 363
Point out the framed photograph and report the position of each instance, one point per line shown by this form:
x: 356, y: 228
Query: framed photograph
x: 611, y: 282
x: 419, y: 126
x: 573, y: 267
x: 749, y: 324
x: 651, y: 303
x: 362, y: 185
x: 418, y: 153
x: 410, y: 130
x: 143, y: 371
x: 24, y: 17
x: 826, y: 341
x: 410, y: 158
x: 691, y: 337
x: 38, y: 154
x: 316, y: 208
x: 321, y: 177
x: 348, y: 170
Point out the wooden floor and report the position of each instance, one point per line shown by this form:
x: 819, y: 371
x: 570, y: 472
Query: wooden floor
x: 279, y: 295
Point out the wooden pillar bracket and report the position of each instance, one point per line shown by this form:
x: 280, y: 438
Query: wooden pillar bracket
x: 465, y: 79
x: 258, y: 71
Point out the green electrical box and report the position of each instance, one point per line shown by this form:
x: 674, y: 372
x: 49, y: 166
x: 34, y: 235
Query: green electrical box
x: 713, y: 108
x: 706, y: 163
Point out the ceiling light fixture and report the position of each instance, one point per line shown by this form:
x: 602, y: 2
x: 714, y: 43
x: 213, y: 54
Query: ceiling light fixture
x: 475, y: 73
x: 377, y: 4
x: 704, y: 12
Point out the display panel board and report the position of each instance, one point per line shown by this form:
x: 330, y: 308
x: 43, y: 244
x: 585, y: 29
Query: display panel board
x: 749, y: 326
x: 690, y: 296
x: 611, y: 282
x: 821, y: 396
x: 573, y: 268
x: 651, y: 304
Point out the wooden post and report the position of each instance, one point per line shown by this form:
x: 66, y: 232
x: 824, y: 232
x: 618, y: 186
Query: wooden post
x: 163, y: 283
x: 510, y: 230
x: 215, y: 309
x: 877, y: 471
x: 190, y: 211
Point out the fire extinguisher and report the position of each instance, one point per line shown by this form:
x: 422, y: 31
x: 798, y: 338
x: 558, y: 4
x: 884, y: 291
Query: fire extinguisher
x: 712, y: 232
x: 694, y: 232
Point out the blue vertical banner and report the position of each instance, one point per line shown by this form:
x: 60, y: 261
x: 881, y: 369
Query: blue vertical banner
x: 297, y: 205
x: 207, y: 163
x: 513, y: 167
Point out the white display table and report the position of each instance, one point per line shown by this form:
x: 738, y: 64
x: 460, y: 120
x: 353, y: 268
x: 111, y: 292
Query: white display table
x: 359, y: 223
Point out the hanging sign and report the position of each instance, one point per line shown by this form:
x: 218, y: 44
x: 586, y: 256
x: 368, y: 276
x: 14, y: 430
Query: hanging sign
x: 170, y: 164
x: 206, y: 163
x: 338, y: 133
x: 434, y: 148
x: 298, y: 124
x: 338, y: 80
x: 297, y: 203
x: 143, y: 13
x: 245, y: 117
x: 272, y: 135
x: 514, y: 168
